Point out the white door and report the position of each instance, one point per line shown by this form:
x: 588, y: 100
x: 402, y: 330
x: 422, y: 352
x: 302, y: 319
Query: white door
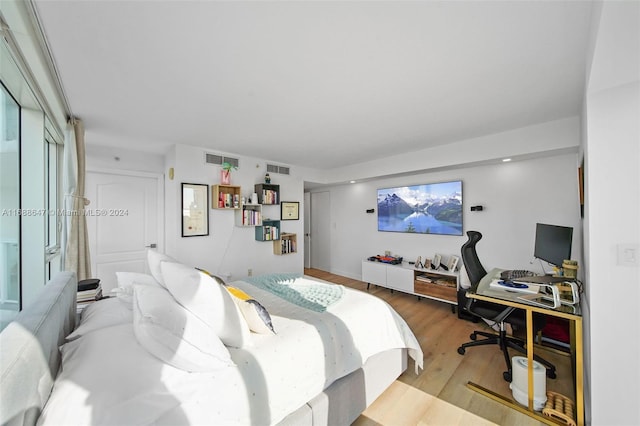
x: 320, y: 231
x: 124, y: 220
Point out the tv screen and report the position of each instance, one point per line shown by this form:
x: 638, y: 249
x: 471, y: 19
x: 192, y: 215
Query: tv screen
x: 434, y: 208
x: 553, y: 243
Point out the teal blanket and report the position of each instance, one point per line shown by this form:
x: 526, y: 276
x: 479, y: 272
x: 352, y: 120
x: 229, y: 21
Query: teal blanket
x: 291, y: 287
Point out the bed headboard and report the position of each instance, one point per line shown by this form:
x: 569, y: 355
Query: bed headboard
x: 29, y: 355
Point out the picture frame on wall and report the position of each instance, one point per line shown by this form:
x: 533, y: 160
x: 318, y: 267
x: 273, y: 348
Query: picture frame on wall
x: 289, y: 210
x: 195, y: 210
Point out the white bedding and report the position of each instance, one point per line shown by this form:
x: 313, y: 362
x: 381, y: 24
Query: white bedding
x: 108, y: 378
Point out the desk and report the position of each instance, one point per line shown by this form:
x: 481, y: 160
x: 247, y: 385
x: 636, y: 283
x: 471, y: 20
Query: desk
x: 490, y: 294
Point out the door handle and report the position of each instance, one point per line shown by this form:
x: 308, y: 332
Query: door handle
x: 152, y: 245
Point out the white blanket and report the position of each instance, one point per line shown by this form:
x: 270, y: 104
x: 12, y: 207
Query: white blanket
x: 107, y: 378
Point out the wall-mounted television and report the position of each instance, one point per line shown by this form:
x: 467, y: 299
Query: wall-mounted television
x: 434, y: 208
x: 553, y: 243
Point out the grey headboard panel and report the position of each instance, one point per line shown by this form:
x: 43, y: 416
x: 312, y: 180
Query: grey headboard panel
x: 29, y: 355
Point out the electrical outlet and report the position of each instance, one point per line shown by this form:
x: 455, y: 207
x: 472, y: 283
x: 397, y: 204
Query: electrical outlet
x: 628, y: 254
x: 249, y: 272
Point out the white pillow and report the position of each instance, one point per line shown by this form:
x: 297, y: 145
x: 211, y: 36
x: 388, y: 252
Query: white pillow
x: 126, y: 280
x: 155, y: 259
x: 100, y: 314
x: 208, y: 300
x: 174, y: 335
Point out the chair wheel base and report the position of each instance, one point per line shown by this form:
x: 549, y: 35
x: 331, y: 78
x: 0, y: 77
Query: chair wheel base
x: 461, y: 350
x: 507, y: 376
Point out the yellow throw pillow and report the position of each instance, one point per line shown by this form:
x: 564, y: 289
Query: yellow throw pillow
x: 254, y: 313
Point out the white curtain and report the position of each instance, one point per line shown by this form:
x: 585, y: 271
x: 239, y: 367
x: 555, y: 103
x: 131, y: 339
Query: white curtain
x: 76, y: 241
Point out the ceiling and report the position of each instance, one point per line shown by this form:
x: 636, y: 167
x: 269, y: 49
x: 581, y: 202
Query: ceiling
x: 318, y: 84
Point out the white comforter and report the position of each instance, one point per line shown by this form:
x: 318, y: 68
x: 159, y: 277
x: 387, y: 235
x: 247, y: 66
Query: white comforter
x: 108, y: 378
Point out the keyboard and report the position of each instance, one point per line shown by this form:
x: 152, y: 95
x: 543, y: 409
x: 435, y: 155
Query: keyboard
x: 514, y: 274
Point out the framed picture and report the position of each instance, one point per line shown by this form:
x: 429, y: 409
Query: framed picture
x: 289, y: 210
x: 453, y: 263
x: 195, y: 210
x: 435, y: 264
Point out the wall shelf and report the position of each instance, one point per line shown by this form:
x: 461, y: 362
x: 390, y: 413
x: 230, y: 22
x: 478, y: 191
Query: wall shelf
x: 288, y: 244
x: 268, y: 231
x: 249, y: 215
x: 225, y: 197
x: 268, y: 194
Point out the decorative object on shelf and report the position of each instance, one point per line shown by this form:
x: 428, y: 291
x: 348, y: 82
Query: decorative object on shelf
x: 195, y: 210
x: 225, y: 174
x: 570, y: 268
x: 453, y: 263
x: 254, y: 198
x: 427, y: 263
x: 267, y: 178
x: 419, y: 263
x: 393, y: 260
x: 436, y: 261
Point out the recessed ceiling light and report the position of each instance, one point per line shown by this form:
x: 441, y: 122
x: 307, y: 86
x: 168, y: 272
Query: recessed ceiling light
x: 352, y: 181
x: 506, y: 160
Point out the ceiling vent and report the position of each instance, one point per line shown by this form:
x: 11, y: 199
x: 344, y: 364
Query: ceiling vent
x: 272, y: 168
x: 218, y: 159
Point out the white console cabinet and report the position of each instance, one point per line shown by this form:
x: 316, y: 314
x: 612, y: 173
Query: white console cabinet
x: 429, y: 283
x: 390, y: 276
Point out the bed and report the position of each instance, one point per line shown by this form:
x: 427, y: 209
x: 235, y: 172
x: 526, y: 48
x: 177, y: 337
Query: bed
x: 141, y: 357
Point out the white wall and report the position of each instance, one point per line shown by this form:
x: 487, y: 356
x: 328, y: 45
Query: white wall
x: 612, y: 155
x: 515, y: 196
x: 229, y: 248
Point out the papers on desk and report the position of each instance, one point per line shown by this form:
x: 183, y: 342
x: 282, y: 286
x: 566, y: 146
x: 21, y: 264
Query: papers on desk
x: 544, y: 295
x: 515, y: 287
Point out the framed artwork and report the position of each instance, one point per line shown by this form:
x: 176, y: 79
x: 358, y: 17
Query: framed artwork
x: 289, y: 210
x: 453, y: 263
x: 435, y: 264
x: 195, y: 210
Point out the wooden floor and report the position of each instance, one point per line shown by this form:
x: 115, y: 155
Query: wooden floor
x: 439, y: 395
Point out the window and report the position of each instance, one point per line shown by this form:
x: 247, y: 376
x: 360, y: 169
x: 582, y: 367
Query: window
x: 53, y: 160
x: 31, y: 152
x: 9, y: 207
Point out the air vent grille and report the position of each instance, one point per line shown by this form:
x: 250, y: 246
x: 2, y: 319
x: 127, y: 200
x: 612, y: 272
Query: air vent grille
x: 272, y: 168
x: 218, y: 159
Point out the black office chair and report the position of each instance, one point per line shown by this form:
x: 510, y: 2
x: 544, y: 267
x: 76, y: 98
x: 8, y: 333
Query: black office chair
x: 495, y: 312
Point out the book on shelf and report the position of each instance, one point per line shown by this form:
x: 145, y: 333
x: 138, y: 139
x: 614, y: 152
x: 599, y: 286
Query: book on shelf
x: 269, y: 196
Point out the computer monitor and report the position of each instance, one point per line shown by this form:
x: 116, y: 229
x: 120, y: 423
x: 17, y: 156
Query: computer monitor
x: 553, y: 243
